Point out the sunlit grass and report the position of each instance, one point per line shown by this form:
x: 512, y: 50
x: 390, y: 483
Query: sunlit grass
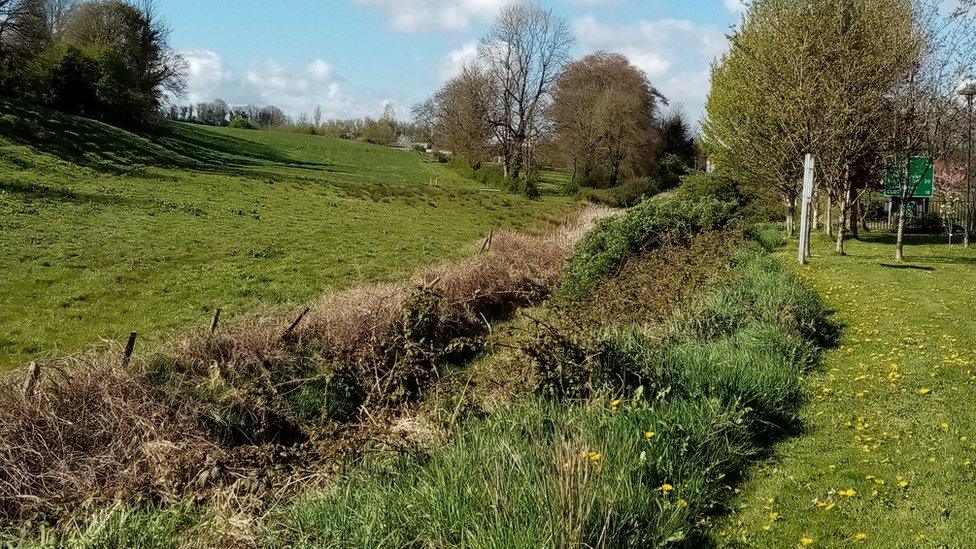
x: 105, y: 231
x: 887, y: 456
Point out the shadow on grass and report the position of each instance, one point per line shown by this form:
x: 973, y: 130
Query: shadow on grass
x: 168, y: 144
x: 907, y: 267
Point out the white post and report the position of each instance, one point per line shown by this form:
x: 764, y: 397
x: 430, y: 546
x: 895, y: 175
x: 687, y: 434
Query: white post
x: 805, y: 208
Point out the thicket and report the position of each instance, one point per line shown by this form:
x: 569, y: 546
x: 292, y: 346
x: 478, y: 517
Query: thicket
x: 106, y: 59
x: 634, y: 438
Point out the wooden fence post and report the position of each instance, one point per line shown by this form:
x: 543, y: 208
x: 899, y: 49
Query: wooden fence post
x: 487, y: 245
x: 129, y: 347
x: 213, y: 323
x: 295, y: 324
x: 33, y: 375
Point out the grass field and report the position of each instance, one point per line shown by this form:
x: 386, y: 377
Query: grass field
x: 887, y: 455
x: 105, y: 231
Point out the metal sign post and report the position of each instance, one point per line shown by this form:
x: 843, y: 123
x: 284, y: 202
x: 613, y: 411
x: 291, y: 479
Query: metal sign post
x: 805, y: 209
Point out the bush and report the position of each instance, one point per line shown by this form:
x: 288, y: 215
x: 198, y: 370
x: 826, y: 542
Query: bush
x: 241, y: 123
x: 624, y: 195
x: 663, y: 219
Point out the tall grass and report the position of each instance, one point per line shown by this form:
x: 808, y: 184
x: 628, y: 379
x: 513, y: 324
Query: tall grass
x: 673, y: 414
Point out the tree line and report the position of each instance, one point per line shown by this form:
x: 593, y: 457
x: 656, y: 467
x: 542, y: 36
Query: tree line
x: 107, y: 59
x: 862, y: 85
x: 524, y: 101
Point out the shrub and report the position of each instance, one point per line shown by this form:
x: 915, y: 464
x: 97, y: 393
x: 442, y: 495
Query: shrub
x: 93, y: 433
x: 626, y: 194
x: 663, y: 219
x: 241, y: 123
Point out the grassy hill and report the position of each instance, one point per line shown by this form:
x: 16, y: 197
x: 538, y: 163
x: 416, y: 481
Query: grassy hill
x: 105, y: 231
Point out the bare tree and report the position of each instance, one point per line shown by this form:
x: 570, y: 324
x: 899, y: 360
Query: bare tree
x: 456, y: 117
x: 317, y: 117
x: 523, y: 54
x: 926, y: 104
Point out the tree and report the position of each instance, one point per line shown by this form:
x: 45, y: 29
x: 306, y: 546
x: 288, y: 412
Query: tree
x: 603, y: 112
x: 679, y: 151
x: 213, y: 114
x: 809, y: 76
x: 926, y: 105
x: 131, y: 45
x: 522, y: 54
x: 456, y: 117
x: 317, y: 117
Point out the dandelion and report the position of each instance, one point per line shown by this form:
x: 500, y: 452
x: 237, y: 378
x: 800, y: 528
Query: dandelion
x: 849, y: 493
x: 773, y: 517
x: 594, y: 457
x: 682, y: 503
x: 805, y: 541
x: 666, y: 488
x: 924, y: 390
x: 860, y: 536
x: 649, y: 435
x: 902, y: 483
x: 614, y: 405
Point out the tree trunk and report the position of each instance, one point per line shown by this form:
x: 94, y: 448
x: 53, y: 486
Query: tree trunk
x: 816, y: 215
x: 900, y: 239
x: 830, y: 209
x: 790, y: 216
x: 842, y: 220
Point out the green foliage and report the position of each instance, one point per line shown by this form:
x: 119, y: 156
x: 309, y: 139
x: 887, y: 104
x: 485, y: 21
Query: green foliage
x: 626, y: 194
x: 666, y: 218
x: 671, y: 416
x: 537, y: 475
x: 241, y: 123
x: 147, y: 528
x: 302, y: 209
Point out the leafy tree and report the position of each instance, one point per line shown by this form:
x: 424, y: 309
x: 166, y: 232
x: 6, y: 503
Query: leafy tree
x: 604, y: 119
x: 811, y: 76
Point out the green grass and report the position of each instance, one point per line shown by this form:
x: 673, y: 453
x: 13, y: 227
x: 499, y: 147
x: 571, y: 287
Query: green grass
x: 891, y: 414
x: 642, y: 464
x: 105, y: 231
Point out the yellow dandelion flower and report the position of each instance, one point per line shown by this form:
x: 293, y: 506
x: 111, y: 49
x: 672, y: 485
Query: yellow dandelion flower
x: 595, y: 457
x: 849, y: 493
x: 666, y: 488
x: 682, y: 503
x: 860, y: 536
x: 924, y: 390
x: 805, y: 541
x: 649, y: 435
x: 773, y: 517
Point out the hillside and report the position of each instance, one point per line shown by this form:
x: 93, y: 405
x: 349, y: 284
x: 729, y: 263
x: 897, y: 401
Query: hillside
x: 106, y: 231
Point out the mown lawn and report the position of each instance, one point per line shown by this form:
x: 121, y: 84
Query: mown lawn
x: 887, y: 455
x: 104, y: 231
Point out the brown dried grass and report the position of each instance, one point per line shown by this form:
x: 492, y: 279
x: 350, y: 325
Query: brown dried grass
x: 90, y: 433
x: 93, y: 432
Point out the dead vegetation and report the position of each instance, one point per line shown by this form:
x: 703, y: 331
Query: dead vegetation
x: 90, y: 432
x: 256, y: 411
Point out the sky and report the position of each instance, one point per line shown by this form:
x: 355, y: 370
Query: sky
x: 353, y: 57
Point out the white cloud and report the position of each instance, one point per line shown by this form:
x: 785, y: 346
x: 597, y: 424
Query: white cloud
x: 736, y: 6
x: 206, y: 74
x: 427, y: 15
x: 294, y: 90
x: 676, y: 54
x: 458, y: 59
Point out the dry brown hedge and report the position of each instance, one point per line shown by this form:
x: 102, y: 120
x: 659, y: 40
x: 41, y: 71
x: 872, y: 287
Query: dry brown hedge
x: 93, y: 432
x: 89, y: 433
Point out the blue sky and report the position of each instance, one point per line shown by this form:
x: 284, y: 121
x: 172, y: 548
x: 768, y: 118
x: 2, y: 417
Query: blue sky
x: 353, y: 56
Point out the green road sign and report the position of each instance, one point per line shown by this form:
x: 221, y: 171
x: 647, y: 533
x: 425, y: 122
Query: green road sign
x: 921, y: 177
